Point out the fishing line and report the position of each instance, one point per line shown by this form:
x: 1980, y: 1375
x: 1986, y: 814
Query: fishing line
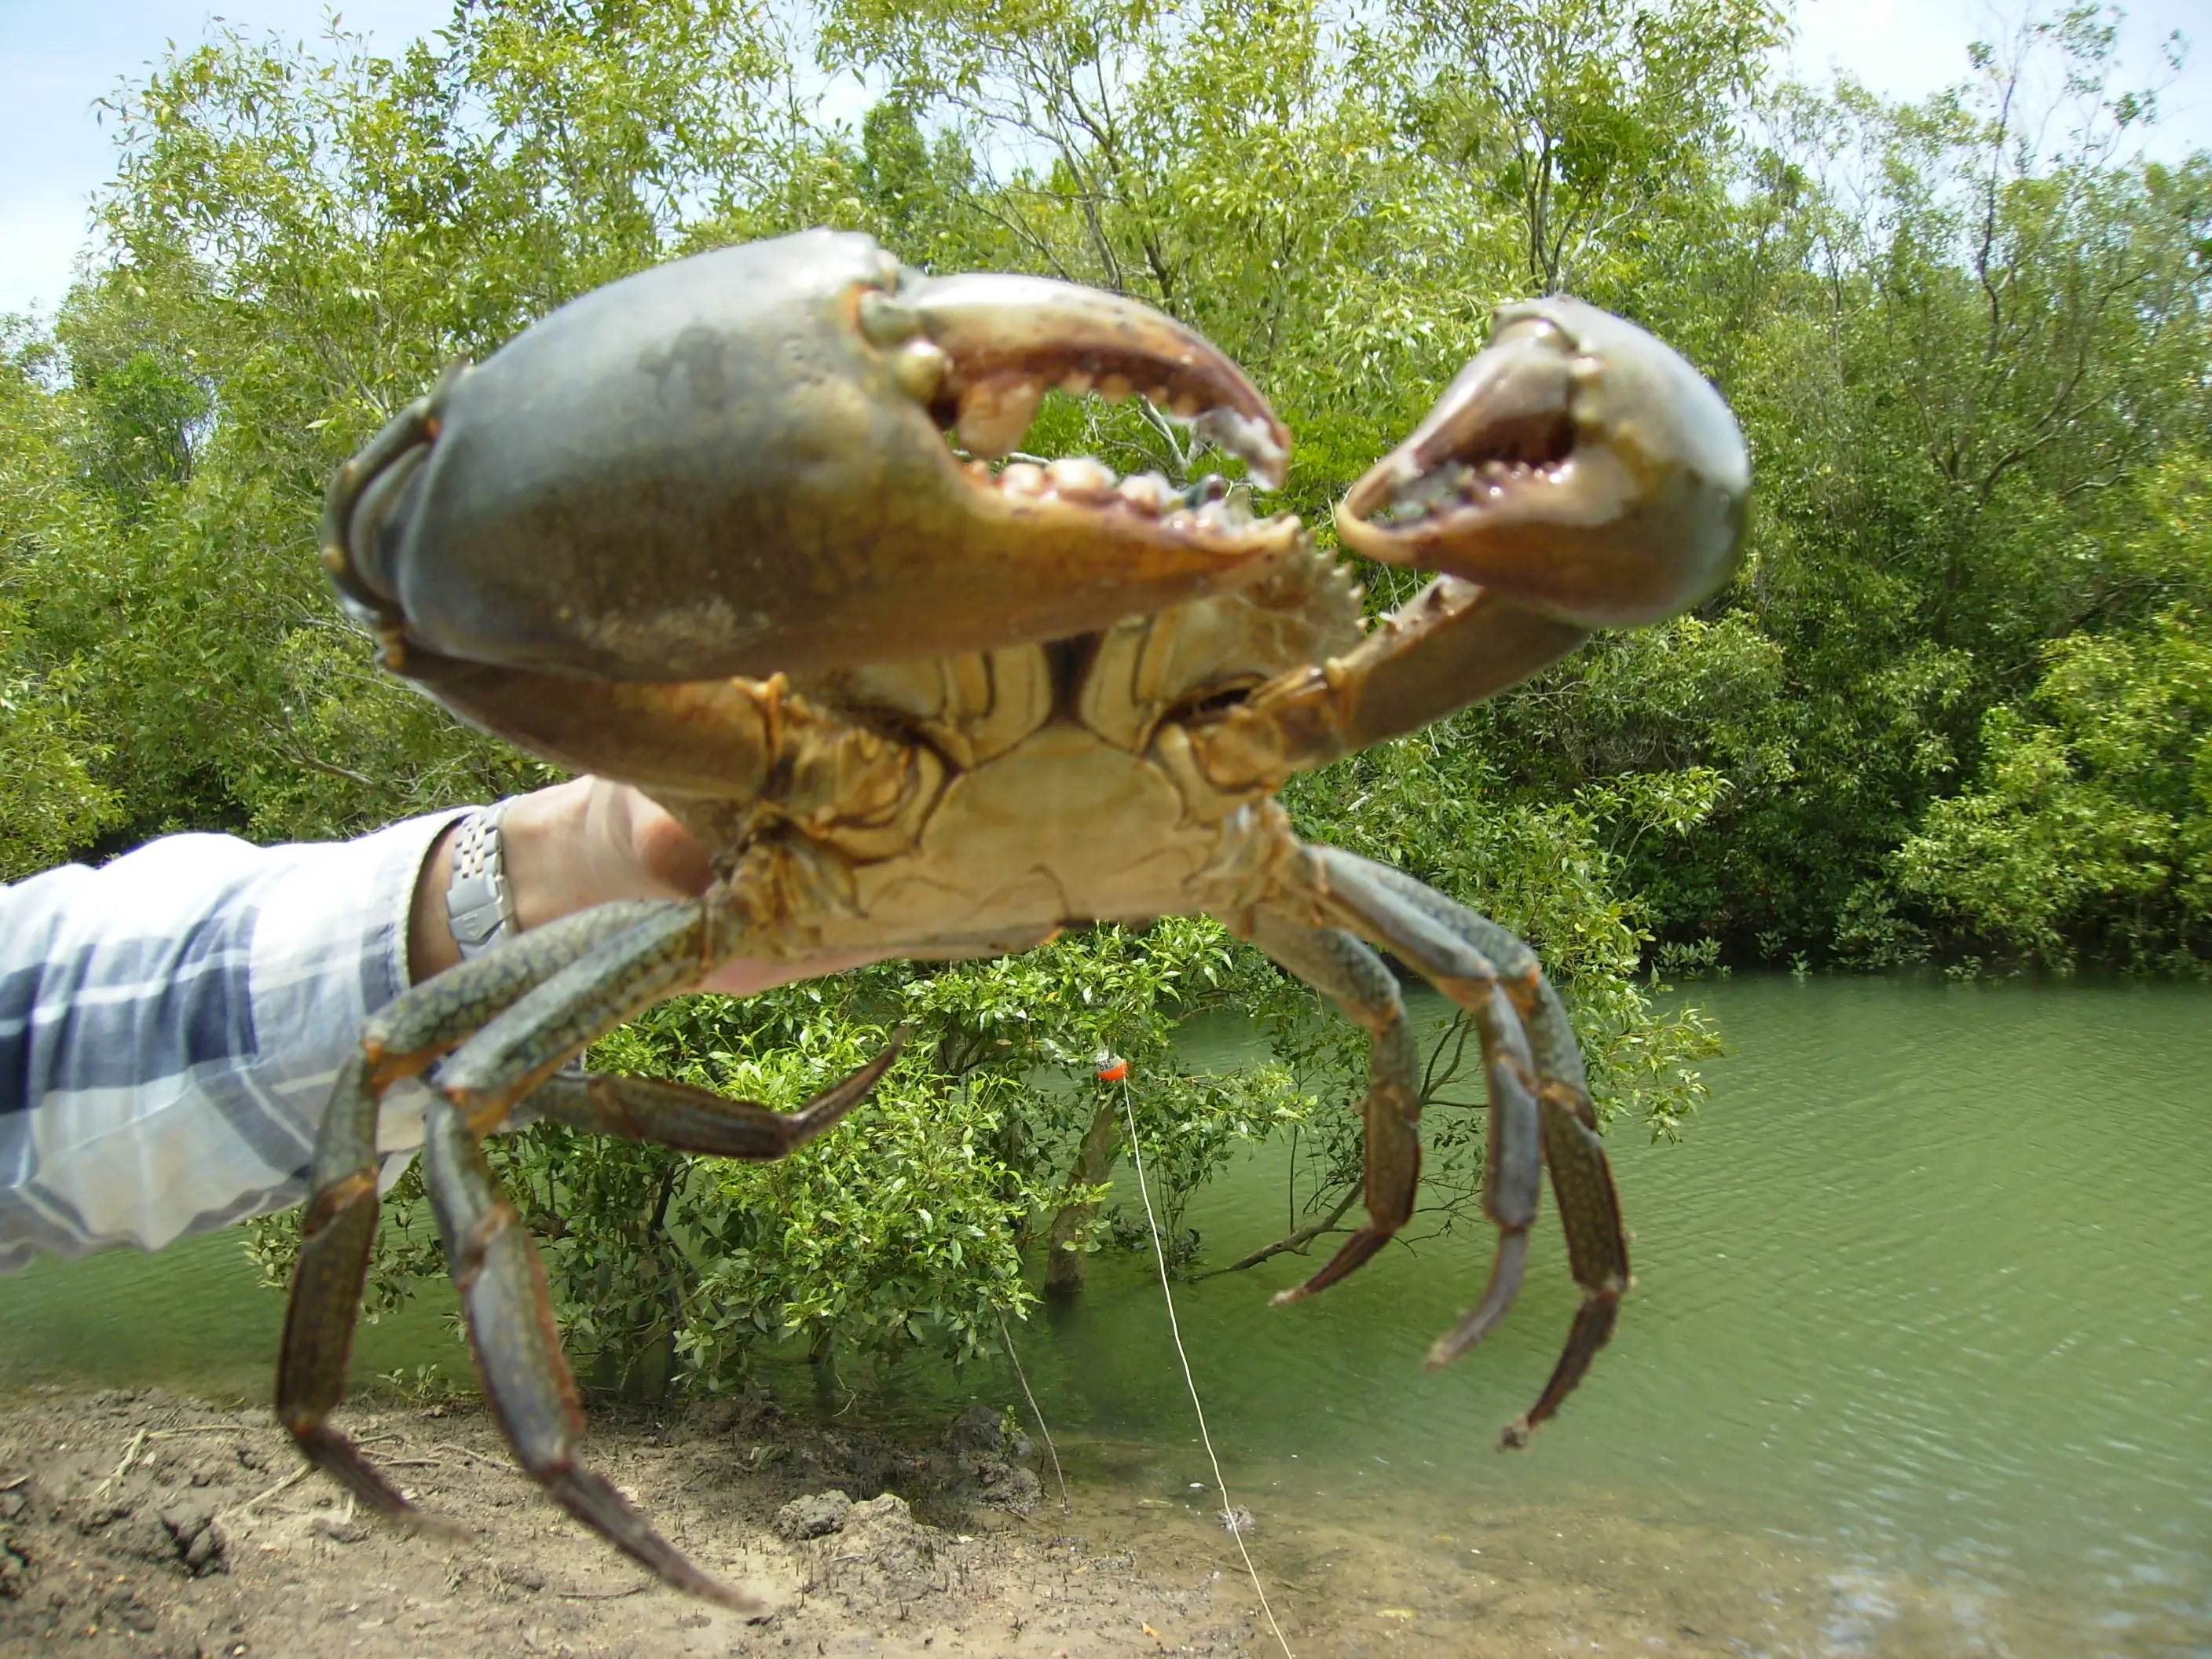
x: 1007, y: 1337
x: 1175, y: 1329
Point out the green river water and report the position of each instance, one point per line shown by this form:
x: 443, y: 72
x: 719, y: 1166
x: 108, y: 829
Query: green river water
x: 1919, y: 1360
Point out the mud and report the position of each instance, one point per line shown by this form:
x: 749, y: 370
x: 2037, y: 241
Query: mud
x: 137, y: 1524
x: 140, y: 1524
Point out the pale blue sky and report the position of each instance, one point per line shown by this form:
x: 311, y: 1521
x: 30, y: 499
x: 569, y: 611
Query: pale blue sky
x: 57, y: 55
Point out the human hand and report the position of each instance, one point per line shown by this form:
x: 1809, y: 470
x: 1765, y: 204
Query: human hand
x: 584, y: 842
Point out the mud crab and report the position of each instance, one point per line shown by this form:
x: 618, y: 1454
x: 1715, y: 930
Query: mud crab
x: 702, y: 531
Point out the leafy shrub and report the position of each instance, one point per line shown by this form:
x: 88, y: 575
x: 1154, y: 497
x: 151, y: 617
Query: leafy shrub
x: 2091, y: 833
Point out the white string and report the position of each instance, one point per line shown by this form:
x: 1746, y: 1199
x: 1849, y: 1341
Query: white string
x: 1007, y: 1337
x: 1175, y: 1329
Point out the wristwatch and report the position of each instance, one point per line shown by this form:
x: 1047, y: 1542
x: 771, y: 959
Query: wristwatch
x: 479, y: 900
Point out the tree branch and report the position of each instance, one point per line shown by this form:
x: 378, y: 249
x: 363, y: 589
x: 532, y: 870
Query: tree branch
x: 1297, y: 1241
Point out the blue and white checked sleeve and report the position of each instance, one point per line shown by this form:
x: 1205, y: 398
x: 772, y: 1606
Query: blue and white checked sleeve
x: 171, y: 1024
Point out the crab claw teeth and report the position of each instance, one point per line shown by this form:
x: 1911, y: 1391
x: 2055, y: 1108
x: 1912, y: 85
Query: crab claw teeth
x: 1080, y: 478
x: 1265, y: 445
x: 995, y: 413
x: 1577, y: 465
x: 1004, y: 336
x: 1148, y: 492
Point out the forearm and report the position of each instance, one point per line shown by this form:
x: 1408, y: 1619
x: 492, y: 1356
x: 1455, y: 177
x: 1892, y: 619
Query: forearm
x: 170, y: 1025
x: 574, y: 844
x: 585, y: 843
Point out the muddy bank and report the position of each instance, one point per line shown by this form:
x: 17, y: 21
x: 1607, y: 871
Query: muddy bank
x: 138, y: 1523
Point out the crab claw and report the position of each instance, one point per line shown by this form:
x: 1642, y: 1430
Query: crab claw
x: 1577, y: 465
x: 737, y: 464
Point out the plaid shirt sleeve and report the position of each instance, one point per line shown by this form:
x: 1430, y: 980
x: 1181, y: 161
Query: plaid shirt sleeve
x: 171, y: 1024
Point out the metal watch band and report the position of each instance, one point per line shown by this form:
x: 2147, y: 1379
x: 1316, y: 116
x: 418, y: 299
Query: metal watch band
x: 479, y: 903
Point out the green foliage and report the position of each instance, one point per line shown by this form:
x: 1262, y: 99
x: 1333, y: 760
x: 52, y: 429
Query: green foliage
x: 295, y: 244
x: 1578, y: 119
x: 54, y: 804
x: 905, y: 1228
x: 2090, y: 831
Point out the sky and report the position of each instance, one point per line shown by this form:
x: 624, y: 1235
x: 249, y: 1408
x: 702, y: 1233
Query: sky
x: 57, y: 56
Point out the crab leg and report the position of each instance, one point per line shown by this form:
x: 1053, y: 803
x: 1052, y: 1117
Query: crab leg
x: 1454, y: 643
x: 1512, y: 1177
x: 338, y: 1225
x: 493, y: 1264
x: 531, y: 1005
x: 695, y: 1120
x: 1339, y: 966
x: 528, y: 1041
x: 518, y: 1349
x: 1538, y: 1113
x: 1546, y: 1100
x: 1597, y: 1255
x: 1558, y: 1056
x: 1582, y: 1179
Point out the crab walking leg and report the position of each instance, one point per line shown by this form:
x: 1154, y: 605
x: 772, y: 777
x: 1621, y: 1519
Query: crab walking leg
x: 1582, y: 1178
x: 528, y: 1041
x: 1446, y: 941
x: 1512, y: 1178
x: 337, y: 1231
x: 1558, y: 1056
x: 1340, y: 967
x: 1597, y: 1255
x: 696, y: 1120
x: 518, y: 1348
x: 510, y: 1317
x: 338, y: 1225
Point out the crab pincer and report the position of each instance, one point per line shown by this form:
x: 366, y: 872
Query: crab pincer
x: 1576, y: 465
x: 737, y: 464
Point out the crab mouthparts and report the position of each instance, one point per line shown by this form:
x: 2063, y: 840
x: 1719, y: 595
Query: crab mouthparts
x: 981, y: 351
